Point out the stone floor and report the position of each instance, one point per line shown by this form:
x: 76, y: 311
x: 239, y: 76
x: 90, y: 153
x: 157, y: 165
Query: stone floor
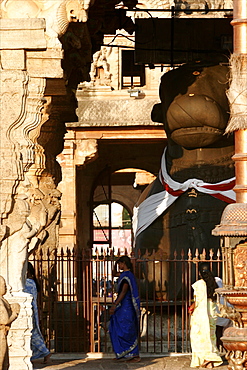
x: 69, y: 362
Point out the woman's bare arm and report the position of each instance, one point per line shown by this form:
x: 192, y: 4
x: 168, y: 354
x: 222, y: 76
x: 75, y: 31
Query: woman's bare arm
x: 121, y: 296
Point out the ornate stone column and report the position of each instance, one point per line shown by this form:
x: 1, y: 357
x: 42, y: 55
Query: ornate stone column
x: 32, y: 92
x: 21, y: 105
x: 233, y: 226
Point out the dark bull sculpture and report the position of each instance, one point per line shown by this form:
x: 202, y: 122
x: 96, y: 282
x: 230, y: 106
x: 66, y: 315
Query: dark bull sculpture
x: 181, y: 207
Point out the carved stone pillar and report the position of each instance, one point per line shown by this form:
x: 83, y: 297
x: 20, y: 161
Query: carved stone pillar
x: 29, y: 98
x: 21, y: 105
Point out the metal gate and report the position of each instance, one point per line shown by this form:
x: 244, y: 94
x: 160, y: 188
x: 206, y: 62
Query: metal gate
x: 77, y: 290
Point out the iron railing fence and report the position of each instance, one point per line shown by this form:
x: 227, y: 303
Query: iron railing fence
x: 77, y: 289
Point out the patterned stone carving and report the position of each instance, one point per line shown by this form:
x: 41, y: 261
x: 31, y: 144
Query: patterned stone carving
x: 13, y: 95
x: 21, y: 100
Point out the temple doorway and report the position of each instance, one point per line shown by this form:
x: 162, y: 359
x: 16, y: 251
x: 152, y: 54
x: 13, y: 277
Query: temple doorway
x: 107, y: 186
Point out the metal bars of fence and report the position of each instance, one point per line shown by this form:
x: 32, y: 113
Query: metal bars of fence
x: 77, y: 290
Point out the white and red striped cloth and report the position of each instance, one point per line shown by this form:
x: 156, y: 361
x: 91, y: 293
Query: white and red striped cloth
x: 152, y: 207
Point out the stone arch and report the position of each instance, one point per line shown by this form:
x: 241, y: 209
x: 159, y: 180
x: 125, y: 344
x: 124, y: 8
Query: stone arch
x: 120, y: 186
x: 117, y: 155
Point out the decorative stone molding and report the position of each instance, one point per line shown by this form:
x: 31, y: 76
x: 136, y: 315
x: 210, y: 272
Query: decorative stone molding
x: 124, y: 112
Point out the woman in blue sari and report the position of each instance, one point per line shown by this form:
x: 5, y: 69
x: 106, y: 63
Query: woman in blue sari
x: 37, y: 341
x: 125, y: 313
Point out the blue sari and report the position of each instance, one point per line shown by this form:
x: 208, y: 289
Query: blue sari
x: 37, y: 341
x: 124, y: 323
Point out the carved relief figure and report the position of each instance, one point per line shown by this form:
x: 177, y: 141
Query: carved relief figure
x: 182, y: 206
x: 236, y: 360
x: 8, y: 313
x: 38, y: 212
x: 100, y: 63
x: 52, y: 203
x: 14, y: 249
x: 240, y: 266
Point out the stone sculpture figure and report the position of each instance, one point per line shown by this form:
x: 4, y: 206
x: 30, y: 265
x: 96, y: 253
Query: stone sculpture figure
x: 38, y: 211
x: 236, y: 360
x: 52, y: 203
x: 14, y: 248
x: 8, y: 313
x: 230, y: 313
x: 180, y: 208
x: 100, y: 61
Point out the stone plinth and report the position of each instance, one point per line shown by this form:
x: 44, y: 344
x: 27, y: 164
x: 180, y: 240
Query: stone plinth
x: 19, y: 337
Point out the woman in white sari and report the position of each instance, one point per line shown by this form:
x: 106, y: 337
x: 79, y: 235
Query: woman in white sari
x: 203, y: 321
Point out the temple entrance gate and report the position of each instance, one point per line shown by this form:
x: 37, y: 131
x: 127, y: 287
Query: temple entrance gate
x: 76, y: 296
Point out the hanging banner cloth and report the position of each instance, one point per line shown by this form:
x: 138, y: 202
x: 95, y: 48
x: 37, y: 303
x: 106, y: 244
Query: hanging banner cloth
x: 154, y: 205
